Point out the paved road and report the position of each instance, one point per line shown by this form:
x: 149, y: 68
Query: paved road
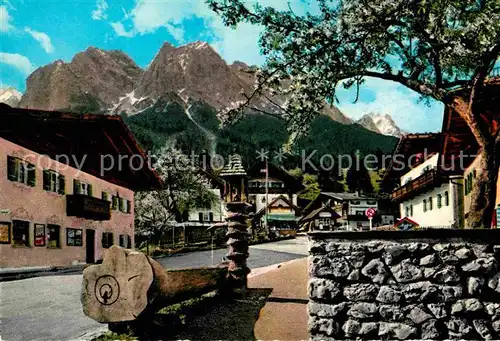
x: 48, y: 308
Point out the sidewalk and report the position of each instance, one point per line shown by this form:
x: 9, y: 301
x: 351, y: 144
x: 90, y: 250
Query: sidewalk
x: 284, y: 315
x: 12, y: 274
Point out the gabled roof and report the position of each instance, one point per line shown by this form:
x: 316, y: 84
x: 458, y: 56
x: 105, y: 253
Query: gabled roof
x: 275, y: 172
x: 88, y: 141
x: 314, y: 214
x: 281, y: 197
x: 233, y: 168
x: 410, y: 144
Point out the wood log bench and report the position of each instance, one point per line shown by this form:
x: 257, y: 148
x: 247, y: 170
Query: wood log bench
x: 129, y: 285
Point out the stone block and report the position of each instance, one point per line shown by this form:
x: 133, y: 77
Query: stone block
x: 464, y: 254
x: 375, y: 270
x: 483, y: 329
x: 317, y: 325
x: 388, y: 294
x: 354, y: 275
x: 361, y: 292
x: 458, y: 328
x: 368, y: 329
x: 430, y: 260
x: 493, y: 309
x: 450, y: 293
x: 406, y: 272
x: 475, y: 286
x: 438, y: 310
x: 447, y: 275
x: 415, y: 292
x: 431, y: 330
x: 494, y: 283
x: 326, y: 310
x: 324, y: 290
x: 363, y: 310
x: 399, y: 331
x: 418, y: 315
x: 351, y: 327
x: 330, y: 267
x: 356, y: 258
x: 481, y: 266
x: 470, y: 305
x: 391, y: 313
x: 395, y: 254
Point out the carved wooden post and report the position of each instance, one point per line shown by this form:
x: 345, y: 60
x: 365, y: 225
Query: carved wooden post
x: 237, y: 247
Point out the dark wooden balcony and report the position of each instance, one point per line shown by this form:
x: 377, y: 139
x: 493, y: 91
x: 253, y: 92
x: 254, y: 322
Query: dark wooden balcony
x: 87, y: 207
x: 416, y: 186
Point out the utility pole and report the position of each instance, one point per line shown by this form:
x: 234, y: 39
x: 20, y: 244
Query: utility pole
x: 267, y: 196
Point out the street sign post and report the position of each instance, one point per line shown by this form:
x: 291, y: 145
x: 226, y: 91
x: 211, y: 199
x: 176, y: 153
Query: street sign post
x: 370, y: 213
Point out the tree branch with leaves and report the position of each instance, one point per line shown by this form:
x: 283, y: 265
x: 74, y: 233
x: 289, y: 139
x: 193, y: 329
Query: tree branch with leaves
x: 429, y: 46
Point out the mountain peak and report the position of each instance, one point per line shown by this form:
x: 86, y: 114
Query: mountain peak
x: 380, y: 123
x: 10, y: 96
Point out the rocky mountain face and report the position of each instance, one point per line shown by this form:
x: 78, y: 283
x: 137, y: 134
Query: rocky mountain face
x: 92, y: 75
x: 380, y: 123
x: 110, y: 81
x: 10, y: 96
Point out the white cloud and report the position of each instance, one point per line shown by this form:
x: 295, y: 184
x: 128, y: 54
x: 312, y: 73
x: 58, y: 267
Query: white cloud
x: 42, y: 38
x: 100, y: 12
x: 121, y: 31
x: 18, y: 61
x: 396, y: 100
x: 5, y: 20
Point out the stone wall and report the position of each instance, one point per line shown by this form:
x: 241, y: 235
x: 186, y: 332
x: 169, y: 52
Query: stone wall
x: 429, y: 284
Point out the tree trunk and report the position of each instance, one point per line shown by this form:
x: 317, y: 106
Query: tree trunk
x: 129, y: 284
x: 483, y: 194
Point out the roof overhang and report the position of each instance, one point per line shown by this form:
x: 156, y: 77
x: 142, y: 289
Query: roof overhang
x: 100, y: 145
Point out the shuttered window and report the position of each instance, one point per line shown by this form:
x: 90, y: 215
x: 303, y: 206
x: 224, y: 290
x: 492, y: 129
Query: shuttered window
x: 21, y: 171
x: 54, y: 182
x: 107, y: 239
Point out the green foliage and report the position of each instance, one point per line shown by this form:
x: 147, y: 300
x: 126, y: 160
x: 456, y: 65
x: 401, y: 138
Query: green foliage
x: 428, y: 46
x: 311, y: 187
x: 85, y: 104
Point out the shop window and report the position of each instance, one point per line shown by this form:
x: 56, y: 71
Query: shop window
x: 21, y: 171
x: 107, y: 239
x: 54, y: 182
x: 21, y: 233
x: 4, y: 232
x: 80, y: 187
x: 54, y: 236
x: 125, y: 241
x: 446, y: 199
x: 74, y: 237
x: 439, y: 201
x: 39, y: 235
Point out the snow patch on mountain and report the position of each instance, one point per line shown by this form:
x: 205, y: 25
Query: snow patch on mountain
x: 10, y: 96
x: 380, y: 123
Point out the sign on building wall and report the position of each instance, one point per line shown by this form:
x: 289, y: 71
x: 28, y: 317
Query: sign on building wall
x: 4, y: 233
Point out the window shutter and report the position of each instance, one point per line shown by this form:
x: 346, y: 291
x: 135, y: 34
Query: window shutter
x: 62, y: 184
x: 12, y: 168
x: 120, y: 204
x: 46, y: 180
x: 104, y: 196
x: 129, y: 203
x: 89, y: 191
x: 76, y: 187
x: 31, y: 175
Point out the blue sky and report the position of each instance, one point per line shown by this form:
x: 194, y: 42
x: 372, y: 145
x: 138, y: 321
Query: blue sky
x: 37, y: 32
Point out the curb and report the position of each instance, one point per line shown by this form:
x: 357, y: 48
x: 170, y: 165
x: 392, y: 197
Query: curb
x: 13, y: 274
x: 265, y: 269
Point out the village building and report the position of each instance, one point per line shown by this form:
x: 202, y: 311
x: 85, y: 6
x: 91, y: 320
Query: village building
x: 281, y: 216
x: 321, y: 219
x: 424, y: 192
x: 351, y: 207
x: 67, y: 185
x: 461, y: 153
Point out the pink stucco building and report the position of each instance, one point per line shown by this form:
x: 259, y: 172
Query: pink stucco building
x: 64, y: 198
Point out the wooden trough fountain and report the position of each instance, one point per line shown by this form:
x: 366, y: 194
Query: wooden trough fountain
x: 129, y: 284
